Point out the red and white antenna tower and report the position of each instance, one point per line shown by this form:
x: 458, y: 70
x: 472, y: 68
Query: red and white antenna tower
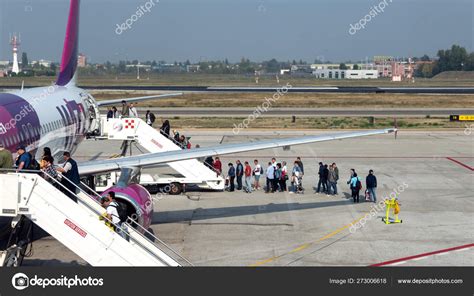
x: 15, y: 43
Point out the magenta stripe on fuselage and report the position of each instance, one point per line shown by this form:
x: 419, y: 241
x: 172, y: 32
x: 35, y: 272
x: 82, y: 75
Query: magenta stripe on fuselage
x: 19, y: 123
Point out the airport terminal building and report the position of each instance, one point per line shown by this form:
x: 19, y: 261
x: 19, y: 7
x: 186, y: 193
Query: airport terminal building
x: 345, y: 74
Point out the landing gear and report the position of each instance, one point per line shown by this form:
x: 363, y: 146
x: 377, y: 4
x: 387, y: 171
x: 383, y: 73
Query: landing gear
x: 17, y: 246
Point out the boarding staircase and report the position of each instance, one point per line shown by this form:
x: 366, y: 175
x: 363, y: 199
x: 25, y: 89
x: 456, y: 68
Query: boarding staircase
x: 135, y: 129
x: 78, y: 225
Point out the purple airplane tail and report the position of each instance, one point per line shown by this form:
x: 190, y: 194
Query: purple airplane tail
x: 70, y: 51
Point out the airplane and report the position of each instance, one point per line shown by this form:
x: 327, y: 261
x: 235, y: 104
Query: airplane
x: 61, y: 115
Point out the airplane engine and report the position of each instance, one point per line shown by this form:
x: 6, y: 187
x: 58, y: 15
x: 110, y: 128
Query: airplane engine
x: 138, y: 200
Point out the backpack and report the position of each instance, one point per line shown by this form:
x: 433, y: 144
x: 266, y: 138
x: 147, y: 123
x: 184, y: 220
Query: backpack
x: 358, y: 185
x: 34, y: 165
x: 121, y: 209
x: 261, y: 170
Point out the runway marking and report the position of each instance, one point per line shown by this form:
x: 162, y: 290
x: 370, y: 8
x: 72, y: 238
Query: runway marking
x: 460, y: 163
x: 305, y: 246
x: 423, y: 256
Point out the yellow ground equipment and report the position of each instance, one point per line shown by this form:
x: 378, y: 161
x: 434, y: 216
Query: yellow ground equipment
x: 395, y: 205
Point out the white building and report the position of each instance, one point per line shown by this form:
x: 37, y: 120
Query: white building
x: 345, y: 74
x: 44, y: 63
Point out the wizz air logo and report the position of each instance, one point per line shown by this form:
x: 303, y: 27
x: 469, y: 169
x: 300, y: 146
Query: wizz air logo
x: 3, y: 130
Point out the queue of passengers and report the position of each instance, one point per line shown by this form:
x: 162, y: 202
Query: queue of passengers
x: 244, y: 177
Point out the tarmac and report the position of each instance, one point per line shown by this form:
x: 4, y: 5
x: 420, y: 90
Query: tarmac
x: 431, y: 172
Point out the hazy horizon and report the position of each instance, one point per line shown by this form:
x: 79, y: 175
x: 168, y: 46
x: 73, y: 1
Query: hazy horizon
x: 259, y: 30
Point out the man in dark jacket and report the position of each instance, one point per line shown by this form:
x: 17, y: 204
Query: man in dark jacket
x: 371, y: 183
x: 231, y: 175
x: 70, y: 171
x: 320, y: 181
x: 324, y: 178
x: 240, y: 174
x: 150, y: 119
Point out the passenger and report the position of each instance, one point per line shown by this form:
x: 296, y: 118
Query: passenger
x: 274, y: 162
x: 239, y: 174
x: 111, y: 206
x: 257, y: 172
x: 150, y: 118
x: 296, y: 178
x: 300, y: 164
x: 332, y: 179
x: 218, y: 166
x: 114, y: 112
x: 324, y: 178
x: 284, y: 177
x: 133, y: 113
x: 320, y: 181
x: 277, y: 186
x: 49, y: 172
x: 248, y: 177
x: 296, y: 169
x: 6, y: 158
x: 70, y: 171
x: 125, y: 109
x: 371, y: 184
x: 110, y: 114
x: 270, y: 174
x: 182, y: 142
x: 176, y: 137
x: 165, y: 128
x: 23, y: 159
x: 46, y: 152
x: 355, y: 185
x: 231, y: 175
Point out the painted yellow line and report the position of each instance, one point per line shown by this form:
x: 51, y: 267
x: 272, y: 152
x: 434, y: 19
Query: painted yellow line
x: 302, y: 247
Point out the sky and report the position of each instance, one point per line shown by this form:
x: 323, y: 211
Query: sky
x: 200, y: 30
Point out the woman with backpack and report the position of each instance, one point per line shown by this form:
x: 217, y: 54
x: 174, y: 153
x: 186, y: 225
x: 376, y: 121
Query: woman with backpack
x: 355, y: 185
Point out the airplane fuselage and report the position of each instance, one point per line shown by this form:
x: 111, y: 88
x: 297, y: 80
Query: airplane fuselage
x: 56, y: 116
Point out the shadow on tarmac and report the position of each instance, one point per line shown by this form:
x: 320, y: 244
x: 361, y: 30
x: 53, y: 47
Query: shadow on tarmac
x: 225, y: 212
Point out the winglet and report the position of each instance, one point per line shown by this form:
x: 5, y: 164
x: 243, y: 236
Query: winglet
x: 71, y: 43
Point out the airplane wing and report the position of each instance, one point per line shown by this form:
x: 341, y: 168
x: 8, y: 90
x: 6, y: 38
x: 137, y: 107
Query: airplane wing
x: 150, y: 159
x: 137, y: 99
